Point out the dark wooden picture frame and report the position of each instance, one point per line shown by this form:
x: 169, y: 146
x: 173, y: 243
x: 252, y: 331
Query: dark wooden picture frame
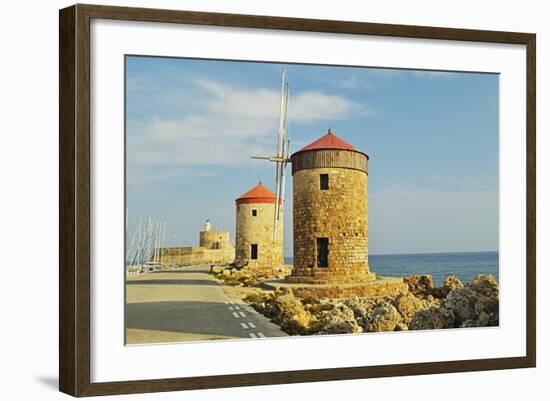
x: 74, y: 199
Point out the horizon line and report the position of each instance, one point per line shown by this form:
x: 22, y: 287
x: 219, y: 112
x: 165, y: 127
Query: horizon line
x: 424, y: 253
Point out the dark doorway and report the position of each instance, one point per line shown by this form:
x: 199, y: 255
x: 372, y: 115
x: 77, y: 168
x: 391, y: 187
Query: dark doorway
x: 322, y: 252
x: 254, y: 251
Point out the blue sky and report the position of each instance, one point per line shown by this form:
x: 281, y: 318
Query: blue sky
x: 432, y: 138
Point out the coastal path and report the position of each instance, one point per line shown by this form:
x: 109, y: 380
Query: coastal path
x: 188, y: 304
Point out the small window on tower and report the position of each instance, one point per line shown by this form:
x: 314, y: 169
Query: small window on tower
x: 254, y: 212
x: 254, y: 251
x: 324, y: 182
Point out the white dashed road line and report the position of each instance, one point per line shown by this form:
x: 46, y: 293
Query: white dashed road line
x: 240, y: 314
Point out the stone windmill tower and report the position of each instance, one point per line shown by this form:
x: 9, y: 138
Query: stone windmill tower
x: 256, y: 246
x: 330, y: 213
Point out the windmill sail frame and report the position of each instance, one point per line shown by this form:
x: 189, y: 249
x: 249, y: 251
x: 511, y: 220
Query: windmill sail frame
x: 281, y: 157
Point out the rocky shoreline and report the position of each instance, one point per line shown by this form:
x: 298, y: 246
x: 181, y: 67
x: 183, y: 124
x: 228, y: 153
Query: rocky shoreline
x: 422, y: 307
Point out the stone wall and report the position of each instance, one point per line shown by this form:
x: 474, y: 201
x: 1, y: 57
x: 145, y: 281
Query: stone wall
x: 258, y: 230
x: 339, y: 214
x: 215, y: 239
x: 374, y: 288
x: 188, y: 256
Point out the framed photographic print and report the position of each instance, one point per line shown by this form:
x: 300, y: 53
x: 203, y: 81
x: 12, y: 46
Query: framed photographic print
x: 250, y: 200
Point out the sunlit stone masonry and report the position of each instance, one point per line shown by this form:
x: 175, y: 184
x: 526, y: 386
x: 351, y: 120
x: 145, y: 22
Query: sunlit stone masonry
x: 255, y: 245
x: 330, y: 213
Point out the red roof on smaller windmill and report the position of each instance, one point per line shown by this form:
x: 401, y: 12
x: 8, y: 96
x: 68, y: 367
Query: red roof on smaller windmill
x: 328, y: 141
x: 259, y: 194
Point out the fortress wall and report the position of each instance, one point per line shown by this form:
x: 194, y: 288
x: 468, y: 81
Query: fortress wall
x: 188, y: 256
x: 214, y: 239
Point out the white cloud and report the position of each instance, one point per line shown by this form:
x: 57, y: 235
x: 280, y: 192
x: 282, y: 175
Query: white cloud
x: 305, y: 106
x: 376, y: 77
x: 481, y: 182
x: 433, y: 74
x: 140, y: 176
x: 233, y: 123
x: 309, y: 106
x: 351, y: 82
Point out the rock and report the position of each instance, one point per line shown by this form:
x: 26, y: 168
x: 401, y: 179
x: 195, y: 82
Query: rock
x: 463, y: 303
x: 407, y: 305
x: 247, y: 279
x: 383, y: 317
x: 242, y: 276
x: 449, y: 284
x: 438, y: 293
x: 339, y: 320
x: 489, y: 306
x: 476, y: 304
x: 316, y: 308
x: 401, y: 327
x: 257, y: 298
x: 259, y: 301
x: 419, y: 284
x: 431, y: 300
x: 216, y: 269
x: 452, y: 283
x: 266, y: 307
x: 290, y: 314
x: 485, y: 285
x: 433, y: 319
x: 250, y: 282
x: 360, y: 307
x: 481, y: 321
x: 233, y: 282
x: 357, y: 305
x: 285, y: 290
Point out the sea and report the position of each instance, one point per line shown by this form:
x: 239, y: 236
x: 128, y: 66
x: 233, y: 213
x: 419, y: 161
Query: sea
x: 464, y: 265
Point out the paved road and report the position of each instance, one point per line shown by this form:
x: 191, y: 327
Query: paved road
x: 188, y: 304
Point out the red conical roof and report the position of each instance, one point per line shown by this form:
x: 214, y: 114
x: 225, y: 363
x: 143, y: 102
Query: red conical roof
x: 259, y: 194
x: 328, y: 141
